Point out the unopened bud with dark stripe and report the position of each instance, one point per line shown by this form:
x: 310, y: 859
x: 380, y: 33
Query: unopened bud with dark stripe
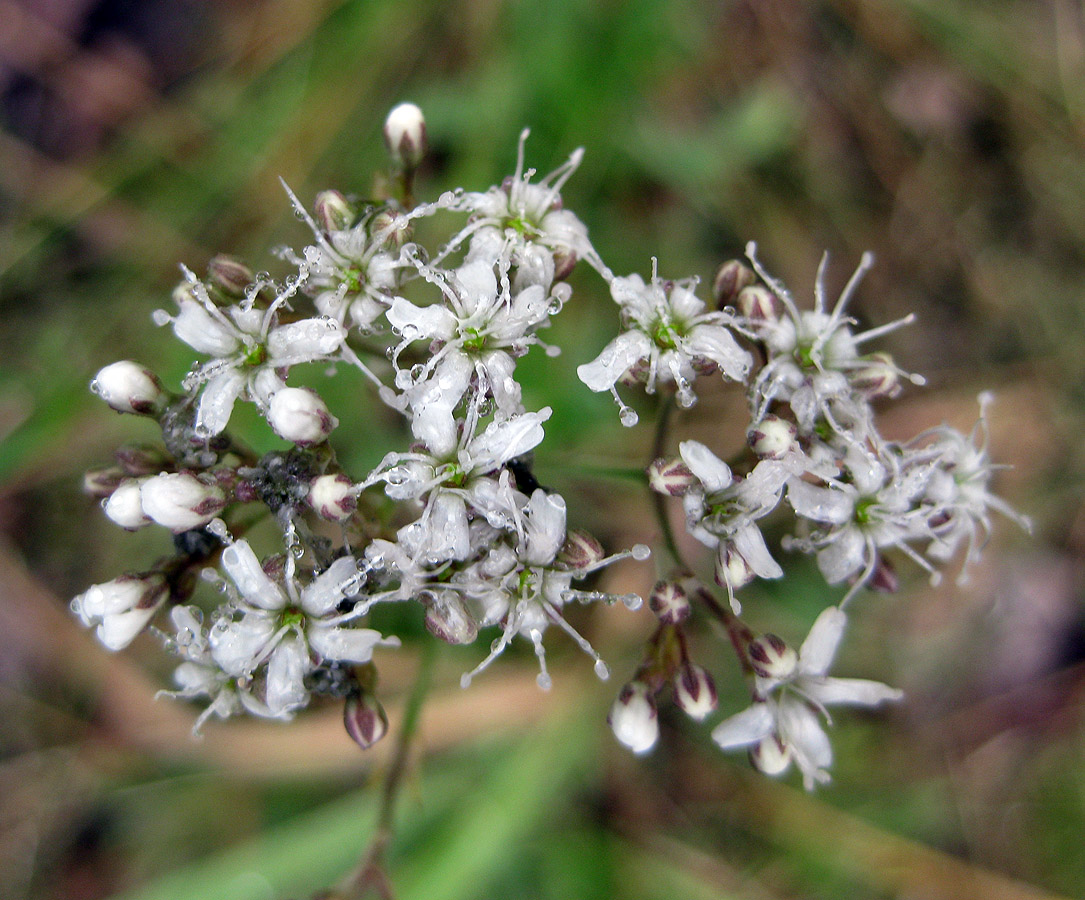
x: 731, y: 278
x: 405, y: 135
x: 580, y: 550
x: 695, y: 692
x: 364, y: 719
x: 229, y: 275
x: 758, y: 304
x: 669, y: 602
x: 670, y: 476
x: 771, y: 657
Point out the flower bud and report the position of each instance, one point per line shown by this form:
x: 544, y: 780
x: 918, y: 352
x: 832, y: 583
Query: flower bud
x: 299, y: 415
x: 229, y: 275
x: 125, y: 506
x: 405, y: 135
x: 633, y: 718
x: 731, y: 277
x: 448, y: 619
x: 580, y: 551
x: 758, y: 303
x: 129, y: 387
x: 140, y: 459
x: 333, y: 212
x: 695, y: 692
x: 121, y: 608
x: 877, y: 377
x: 669, y: 602
x: 670, y: 476
x: 731, y: 567
x: 771, y: 657
x: 364, y: 719
x: 391, y: 228
x: 333, y: 497
x: 100, y: 483
x: 772, y: 437
x: 181, y: 501
x: 770, y: 756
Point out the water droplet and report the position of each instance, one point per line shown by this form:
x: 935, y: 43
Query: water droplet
x: 602, y: 670
x: 161, y: 317
x: 417, y: 371
x: 465, y: 680
x: 629, y: 416
x: 641, y: 552
x: 96, y: 387
x: 544, y: 681
x: 632, y: 601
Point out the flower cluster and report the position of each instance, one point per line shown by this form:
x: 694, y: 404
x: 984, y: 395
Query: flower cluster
x: 454, y: 522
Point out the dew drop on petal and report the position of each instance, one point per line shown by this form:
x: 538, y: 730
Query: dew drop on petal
x: 641, y: 552
x: 629, y: 416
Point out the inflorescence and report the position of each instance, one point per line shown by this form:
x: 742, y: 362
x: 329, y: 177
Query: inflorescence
x: 439, y: 334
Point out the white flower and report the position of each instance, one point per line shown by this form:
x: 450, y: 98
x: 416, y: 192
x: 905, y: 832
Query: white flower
x: 668, y: 337
x: 525, y: 214
x: 250, y: 350
x: 782, y: 724
x: 284, y: 624
x: 481, y: 329
x: 814, y: 363
x: 125, y: 506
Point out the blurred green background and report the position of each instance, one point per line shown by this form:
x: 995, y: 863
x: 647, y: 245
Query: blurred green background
x: 947, y: 136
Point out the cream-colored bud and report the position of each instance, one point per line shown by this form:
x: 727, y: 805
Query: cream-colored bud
x: 405, y: 135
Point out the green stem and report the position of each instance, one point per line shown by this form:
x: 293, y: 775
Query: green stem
x: 371, y: 876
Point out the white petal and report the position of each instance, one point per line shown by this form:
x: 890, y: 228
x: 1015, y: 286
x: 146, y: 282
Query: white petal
x: 844, y: 556
x: 750, y: 544
x: 120, y: 629
x: 354, y: 645
x: 448, y: 535
x: 617, y: 357
x: 203, y: 332
x: 236, y: 646
x: 819, y: 648
x: 716, y: 343
x: 544, y: 526
x: 252, y: 581
x: 477, y: 283
x: 822, y: 504
x: 217, y: 401
x: 710, y: 470
x: 305, y: 340
x: 746, y: 727
x: 413, y: 323
x: 505, y: 440
x: 801, y: 730
x: 286, y: 671
x: 848, y: 691
x: 326, y: 590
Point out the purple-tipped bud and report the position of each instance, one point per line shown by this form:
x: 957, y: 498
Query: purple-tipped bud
x: 669, y: 602
x: 731, y: 278
x: 772, y: 437
x: 564, y: 263
x: 758, y: 304
x: 299, y: 415
x: 181, y: 501
x: 877, y: 377
x: 333, y: 211
x: 125, y: 505
x: 670, y: 476
x: 695, y: 692
x: 364, y: 719
x: 448, y: 619
x: 884, y: 578
x: 770, y: 756
x: 100, y: 483
x: 771, y: 657
x: 140, y: 459
x: 229, y: 275
x: 391, y: 228
x: 580, y: 551
x: 405, y: 135
x: 129, y: 387
x: 333, y: 497
x: 633, y: 718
